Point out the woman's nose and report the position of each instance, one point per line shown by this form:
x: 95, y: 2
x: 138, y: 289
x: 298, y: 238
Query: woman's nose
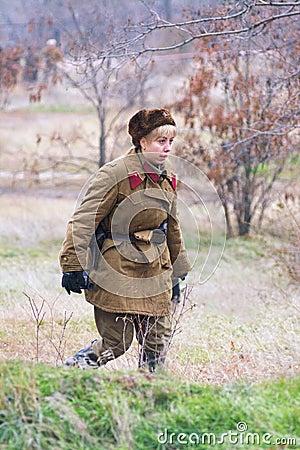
x: 168, y: 147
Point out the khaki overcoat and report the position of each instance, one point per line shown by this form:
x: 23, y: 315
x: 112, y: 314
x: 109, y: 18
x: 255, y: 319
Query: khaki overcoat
x: 128, y: 198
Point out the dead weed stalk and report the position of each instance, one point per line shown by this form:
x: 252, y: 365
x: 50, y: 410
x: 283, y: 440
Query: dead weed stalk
x: 57, y: 339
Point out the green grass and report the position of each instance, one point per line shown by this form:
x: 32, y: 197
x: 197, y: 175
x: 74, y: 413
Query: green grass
x: 9, y: 252
x: 266, y: 169
x: 44, y: 408
x: 59, y: 108
x: 291, y: 169
x: 246, y: 247
x: 45, y: 249
x: 239, y: 247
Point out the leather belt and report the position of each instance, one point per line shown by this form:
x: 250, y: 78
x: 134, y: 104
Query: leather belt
x: 156, y: 236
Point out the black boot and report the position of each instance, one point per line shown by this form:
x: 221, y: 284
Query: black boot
x: 84, y: 358
x: 149, y: 358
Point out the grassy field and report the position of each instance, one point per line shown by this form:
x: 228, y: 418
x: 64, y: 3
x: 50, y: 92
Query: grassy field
x: 241, y: 324
x: 236, y: 345
x: 45, y: 408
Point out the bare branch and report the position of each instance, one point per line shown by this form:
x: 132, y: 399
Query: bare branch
x: 271, y: 3
x: 126, y: 48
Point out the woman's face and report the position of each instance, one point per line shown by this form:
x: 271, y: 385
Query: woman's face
x: 157, y: 150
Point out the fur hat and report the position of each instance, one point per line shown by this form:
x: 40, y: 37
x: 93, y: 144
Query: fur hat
x: 145, y: 120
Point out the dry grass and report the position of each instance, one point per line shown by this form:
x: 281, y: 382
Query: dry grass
x: 250, y: 344
x: 245, y: 323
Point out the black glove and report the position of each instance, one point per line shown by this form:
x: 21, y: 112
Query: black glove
x: 75, y: 281
x: 175, y: 290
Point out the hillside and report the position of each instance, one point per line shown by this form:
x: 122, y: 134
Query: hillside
x: 46, y: 408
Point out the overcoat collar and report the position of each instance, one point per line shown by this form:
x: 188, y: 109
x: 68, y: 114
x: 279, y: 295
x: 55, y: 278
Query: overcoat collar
x: 138, y: 168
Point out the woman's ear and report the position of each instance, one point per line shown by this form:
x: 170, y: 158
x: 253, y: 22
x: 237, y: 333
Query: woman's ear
x: 143, y: 143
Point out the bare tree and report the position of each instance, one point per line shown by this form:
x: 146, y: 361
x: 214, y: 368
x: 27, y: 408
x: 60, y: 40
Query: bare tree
x: 136, y: 26
x: 111, y: 86
x: 103, y: 43
x: 10, y: 71
x: 240, y: 112
x: 230, y: 18
x: 98, y: 68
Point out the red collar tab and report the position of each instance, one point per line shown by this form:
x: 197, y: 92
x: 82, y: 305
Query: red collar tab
x: 150, y: 172
x: 134, y: 180
x: 174, y: 181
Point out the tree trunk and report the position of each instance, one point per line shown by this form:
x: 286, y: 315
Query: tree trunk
x: 245, y: 217
x: 102, y: 142
x: 102, y: 158
x: 243, y: 228
x: 228, y: 221
x: 243, y: 196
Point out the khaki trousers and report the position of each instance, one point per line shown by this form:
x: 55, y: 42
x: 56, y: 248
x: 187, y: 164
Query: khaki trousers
x: 117, y: 332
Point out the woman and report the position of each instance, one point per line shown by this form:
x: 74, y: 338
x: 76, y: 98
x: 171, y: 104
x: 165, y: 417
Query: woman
x: 131, y: 203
